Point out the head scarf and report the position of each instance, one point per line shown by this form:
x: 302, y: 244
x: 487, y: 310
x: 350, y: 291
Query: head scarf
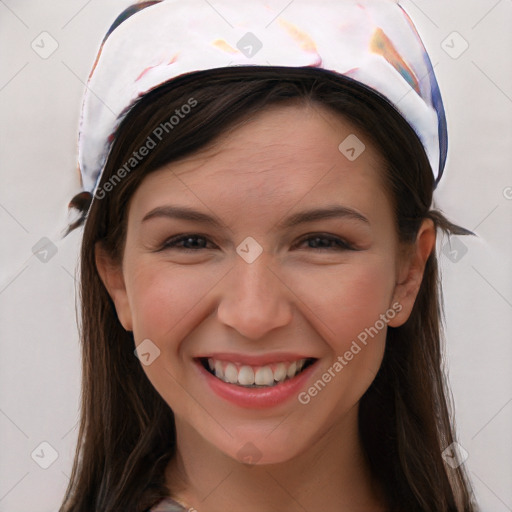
x: 371, y: 41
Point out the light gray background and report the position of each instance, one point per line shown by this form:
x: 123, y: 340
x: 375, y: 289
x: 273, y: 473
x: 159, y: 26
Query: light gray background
x: 40, y: 360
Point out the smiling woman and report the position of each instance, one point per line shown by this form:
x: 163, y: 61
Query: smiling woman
x: 260, y: 302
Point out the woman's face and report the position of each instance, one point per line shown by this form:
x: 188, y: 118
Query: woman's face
x: 256, y: 292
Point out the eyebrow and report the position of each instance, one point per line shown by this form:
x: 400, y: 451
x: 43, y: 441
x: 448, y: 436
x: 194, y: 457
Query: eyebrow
x: 315, y: 214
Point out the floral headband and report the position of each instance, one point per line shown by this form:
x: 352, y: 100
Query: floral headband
x: 371, y: 41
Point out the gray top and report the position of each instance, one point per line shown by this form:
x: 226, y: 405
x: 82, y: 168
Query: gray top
x: 169, y: 505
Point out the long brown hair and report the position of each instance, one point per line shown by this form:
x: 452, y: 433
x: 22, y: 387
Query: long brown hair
x: 127, y: 433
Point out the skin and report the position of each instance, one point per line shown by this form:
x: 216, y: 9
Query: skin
x: 293, y: 297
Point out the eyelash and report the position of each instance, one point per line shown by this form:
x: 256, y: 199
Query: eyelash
x: 343, y: 245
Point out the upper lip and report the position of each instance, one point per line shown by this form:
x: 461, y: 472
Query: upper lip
x: 256, y: 360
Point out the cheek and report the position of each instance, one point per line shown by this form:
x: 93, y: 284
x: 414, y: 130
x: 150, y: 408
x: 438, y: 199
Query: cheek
x: 348, y: 305
x: 341, y: 301
x: 165, y: 301
x: 163, y: 296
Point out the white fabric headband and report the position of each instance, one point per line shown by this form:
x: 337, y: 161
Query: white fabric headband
x: 371, y: 41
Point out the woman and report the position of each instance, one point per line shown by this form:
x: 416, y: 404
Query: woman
x: 291, y: 360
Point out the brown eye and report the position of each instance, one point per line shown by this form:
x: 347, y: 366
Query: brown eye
x: 189, y: 242
x: 327, y: 242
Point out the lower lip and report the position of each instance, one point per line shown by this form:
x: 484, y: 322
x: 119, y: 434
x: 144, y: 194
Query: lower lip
x: 257, y: 398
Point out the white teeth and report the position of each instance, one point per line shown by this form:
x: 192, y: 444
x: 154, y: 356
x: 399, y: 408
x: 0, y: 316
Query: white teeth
x: 264, y: 376
x: 245, y: 375
x: 280, y: 372
x: 219, y: 372
x: 231, y: 373
x: 292, y: 369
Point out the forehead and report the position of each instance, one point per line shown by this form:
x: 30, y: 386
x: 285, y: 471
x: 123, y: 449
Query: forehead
x: 276, y: 158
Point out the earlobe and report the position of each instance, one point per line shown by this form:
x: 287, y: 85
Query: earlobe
x: 410, y: 275
x: 111, y: 274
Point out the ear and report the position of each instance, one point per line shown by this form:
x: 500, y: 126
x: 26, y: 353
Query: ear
x: 410, y: 272
x: 111, y: 274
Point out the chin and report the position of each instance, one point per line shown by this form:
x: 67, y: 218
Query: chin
x: 263, y: 450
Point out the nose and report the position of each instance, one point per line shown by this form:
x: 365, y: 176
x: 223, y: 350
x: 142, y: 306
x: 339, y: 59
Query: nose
x: 254, y: 299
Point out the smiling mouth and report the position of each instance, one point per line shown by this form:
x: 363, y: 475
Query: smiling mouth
x: 255, y: 376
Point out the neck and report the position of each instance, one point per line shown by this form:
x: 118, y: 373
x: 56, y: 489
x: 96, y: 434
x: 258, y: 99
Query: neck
x: 331, y: 475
